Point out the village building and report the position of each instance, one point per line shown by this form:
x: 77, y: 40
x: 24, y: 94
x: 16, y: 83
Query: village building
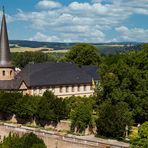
x: 62, y: 78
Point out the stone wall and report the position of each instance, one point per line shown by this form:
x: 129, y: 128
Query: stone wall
x: 54, y: 140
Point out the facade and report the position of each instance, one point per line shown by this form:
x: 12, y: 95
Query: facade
x: 62, y: 78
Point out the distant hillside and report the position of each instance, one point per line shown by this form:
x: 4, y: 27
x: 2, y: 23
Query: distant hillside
x: 104, y: 48
x: 35, y: 44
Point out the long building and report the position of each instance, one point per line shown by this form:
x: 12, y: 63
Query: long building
x: 62, y: 78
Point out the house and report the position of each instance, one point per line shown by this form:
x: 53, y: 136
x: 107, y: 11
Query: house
x: 62, y: 78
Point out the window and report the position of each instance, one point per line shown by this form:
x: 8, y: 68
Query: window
x: 84, y: 87
x: 61, y: 89
x: 67, y: 88
x: 3, y: 72
x: 78, y: 88
x: 10, y: 72
x: 73, y: 88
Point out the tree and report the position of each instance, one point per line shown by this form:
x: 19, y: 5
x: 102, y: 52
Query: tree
x: 21, y: 59
x: 124, y: 77
x: 31, y: 140
x: 80, y: 112
x: 142, y: 141
x: 27, y: 106
x: 26, y: 141
x: 81, y: 117
x: 83, y: 54
x: 112, y: 119
x: 12, y: 141
x: 143, y: 130
x: 51, y: 108
x: 8, y: 102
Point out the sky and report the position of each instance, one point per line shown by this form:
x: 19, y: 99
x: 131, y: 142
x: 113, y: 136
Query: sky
x: 93, y: 21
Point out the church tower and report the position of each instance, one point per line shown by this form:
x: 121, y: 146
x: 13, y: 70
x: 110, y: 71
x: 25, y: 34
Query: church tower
x: 7, y: 71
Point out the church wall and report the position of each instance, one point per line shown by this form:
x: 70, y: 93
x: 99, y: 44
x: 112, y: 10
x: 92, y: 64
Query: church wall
x: 64, y: 91
x: 7, y: 73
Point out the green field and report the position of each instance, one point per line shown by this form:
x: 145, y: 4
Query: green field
x: 108, y: 46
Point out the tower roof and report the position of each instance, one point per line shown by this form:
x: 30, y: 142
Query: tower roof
x: 5, y: 56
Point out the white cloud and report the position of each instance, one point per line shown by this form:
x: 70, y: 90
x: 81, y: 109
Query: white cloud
x: 48, y: 4
x: 79, y: 21
x: 8, y: 17
x: 42, y: 37
x: 133, y: 34
x: 100, y: 1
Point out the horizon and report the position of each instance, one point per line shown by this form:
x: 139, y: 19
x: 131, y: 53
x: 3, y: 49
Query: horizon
x: 91, y: 21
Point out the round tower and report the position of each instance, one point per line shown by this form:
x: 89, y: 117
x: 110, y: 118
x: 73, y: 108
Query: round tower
x: 7, y: 71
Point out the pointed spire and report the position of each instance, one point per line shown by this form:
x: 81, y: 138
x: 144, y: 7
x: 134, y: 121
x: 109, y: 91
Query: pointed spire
x: 3, y: 10
x: 5, y: 56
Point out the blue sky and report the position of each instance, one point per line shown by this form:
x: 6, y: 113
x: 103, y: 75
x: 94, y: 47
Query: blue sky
x: 77, y: 20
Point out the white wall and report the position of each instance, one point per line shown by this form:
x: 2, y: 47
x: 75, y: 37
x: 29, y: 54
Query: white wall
x: 65, y: 91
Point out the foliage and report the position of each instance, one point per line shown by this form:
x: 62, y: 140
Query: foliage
x: 12, y: 141
x: 26, y: 141
x: 143, y: 130
x: 112, y: 119
x: 51, y: 108
x: 27, y: 106
x: 20, y: 59
x: 31, y: 140
x: 80, y: 111
x: 47, y: 108
x: 83, y: 54
x: 142, y: 140
x: 8, y: 102
x: 124, y: 78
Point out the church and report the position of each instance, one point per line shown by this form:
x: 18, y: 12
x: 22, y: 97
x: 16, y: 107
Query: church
x: 62, y: 78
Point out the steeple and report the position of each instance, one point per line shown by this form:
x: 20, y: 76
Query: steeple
x: 5, y: 57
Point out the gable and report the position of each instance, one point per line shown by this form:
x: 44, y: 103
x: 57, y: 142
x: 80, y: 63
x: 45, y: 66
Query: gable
x: 23, y: 86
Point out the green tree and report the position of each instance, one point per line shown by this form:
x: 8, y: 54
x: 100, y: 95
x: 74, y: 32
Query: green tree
x: 31, y: 140
x: 83, y: 54
x: 81, y: 117
x: 112, y: 119
x: 21, y: 59
x: 27, y: 106
x: 51, y: 108
x: 80, y: 112
x: 142, y: 141
x: 143, y: 130
x: 12, y: 141
x: 8, y: 102
x: 26, y: 141
x: 124, y: 77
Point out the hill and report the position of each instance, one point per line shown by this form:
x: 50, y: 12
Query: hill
x: 104, y: 48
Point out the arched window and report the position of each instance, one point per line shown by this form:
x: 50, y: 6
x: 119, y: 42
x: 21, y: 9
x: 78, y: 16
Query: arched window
x: 10, y: 72
x: 3, y: 72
